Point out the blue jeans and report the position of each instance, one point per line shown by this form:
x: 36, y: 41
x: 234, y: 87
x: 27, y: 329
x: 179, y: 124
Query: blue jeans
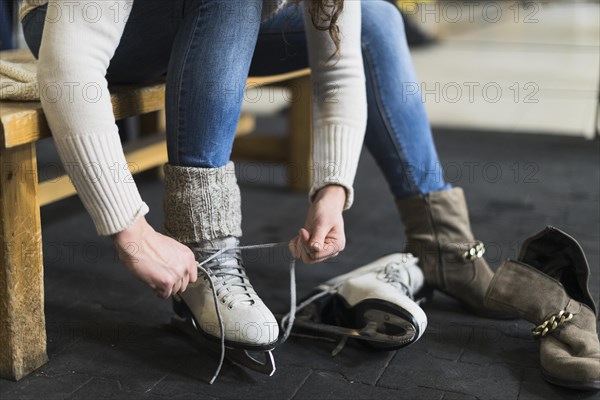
x: 208, y: 48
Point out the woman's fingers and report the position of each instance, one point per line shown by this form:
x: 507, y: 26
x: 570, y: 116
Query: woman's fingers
x: 163, y: 292
x: 318, y: 236
x: 164, y: 264
x: 176, y: 288
x: 301, y: 251
x: 184, y: 282
x: 304, y: 237
x: 322, y: 244
x: 295, y: 247
x: 329, y: 251
x: 191, y: 266
x: 193, y: 272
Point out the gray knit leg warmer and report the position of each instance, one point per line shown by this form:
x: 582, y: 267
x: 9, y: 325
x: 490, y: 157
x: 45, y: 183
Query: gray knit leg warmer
x: 201, y: 203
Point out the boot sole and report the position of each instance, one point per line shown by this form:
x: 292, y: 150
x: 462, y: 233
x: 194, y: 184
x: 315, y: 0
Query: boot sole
x: 589, y: 385
x: 359, y: 315
x: 183, y: 311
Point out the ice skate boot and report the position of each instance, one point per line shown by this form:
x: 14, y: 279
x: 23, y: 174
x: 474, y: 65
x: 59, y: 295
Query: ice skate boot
x: 373, y: 304
x: 223, y: 298
x: 203, y: 210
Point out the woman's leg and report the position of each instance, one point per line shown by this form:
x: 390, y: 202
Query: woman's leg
x: 206, y: 78
x: 398, y: 131
x: 435, y: 216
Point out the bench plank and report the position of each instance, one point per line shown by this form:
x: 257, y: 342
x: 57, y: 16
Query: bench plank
x: 24, y: 122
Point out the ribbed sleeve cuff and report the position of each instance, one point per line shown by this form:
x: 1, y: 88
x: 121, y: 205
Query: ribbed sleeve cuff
x: 98, y: 169
x: 336, y: 151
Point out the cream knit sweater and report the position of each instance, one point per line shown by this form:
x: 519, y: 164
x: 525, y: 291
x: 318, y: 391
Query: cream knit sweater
x: 74, y: 57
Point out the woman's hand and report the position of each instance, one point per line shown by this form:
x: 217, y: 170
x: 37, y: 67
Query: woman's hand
x: 323, y: 234
x: 164, y: 264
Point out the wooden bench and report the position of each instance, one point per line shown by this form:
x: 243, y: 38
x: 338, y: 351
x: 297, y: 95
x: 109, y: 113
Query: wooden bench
x: 22, y: 321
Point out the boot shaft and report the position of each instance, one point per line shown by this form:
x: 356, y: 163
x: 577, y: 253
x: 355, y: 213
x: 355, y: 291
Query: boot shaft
x: 438, y: 232
x: 559, y: 256
x: 443, y: 215
x: 547, y: 285
x: 531, y: 294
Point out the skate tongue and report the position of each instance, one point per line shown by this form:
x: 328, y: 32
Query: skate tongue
x: 217, y: 244
x: 227, y: 269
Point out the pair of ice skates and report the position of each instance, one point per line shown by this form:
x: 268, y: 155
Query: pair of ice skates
x: 203, y: 210
x: 374, y: 304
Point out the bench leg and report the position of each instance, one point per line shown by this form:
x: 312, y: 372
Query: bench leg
x: 300, y: 135
x: 22, y: 322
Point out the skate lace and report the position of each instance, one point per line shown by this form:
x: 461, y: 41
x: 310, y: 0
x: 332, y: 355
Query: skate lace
x: 229, y: 278
x: 213, y: 273
x: 396, y: 274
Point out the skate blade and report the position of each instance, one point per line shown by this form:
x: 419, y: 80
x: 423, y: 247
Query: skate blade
x: 237, y: 356
x: 370, y: 332
x: 245, y: 359
x: 380, y: 322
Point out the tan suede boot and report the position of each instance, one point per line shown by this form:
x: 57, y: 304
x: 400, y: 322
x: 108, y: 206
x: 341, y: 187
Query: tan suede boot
x: 548, y: 286
x: 438, y: 232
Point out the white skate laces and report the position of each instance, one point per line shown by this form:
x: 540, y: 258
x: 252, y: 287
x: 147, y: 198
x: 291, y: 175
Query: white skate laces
x: 399, y: 276
x: 229, y: 279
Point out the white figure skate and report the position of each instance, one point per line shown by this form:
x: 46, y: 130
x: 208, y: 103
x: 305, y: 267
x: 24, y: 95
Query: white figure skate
x: 233, y: 306
x: 374, y: 304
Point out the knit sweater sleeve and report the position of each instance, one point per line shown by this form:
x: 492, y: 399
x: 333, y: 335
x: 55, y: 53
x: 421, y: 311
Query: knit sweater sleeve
x: 78, y: 43
x: 340, y: 101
